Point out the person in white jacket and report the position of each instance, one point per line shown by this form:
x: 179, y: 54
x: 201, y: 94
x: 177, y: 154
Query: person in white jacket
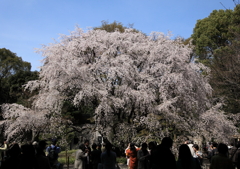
x: 80, y: 157
x: 190, y: 145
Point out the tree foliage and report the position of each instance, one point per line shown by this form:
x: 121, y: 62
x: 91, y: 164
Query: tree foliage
x: 115, y: 26
x: 14, y: 72
x: 214, y: 32
x: 10, y: 63
x: 23, y: 121
x: 216, y: 45
x: 137, y: 87
x: 225, y: 73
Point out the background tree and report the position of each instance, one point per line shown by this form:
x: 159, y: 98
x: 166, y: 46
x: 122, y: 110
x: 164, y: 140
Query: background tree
x: 112, y: 27
x: 225, y: 72
x: 14, y: 72
x: 216, y: 41
x: 214, y: 32
x: 11, y: 63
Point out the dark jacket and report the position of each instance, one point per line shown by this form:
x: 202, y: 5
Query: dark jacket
x: 163, y: 158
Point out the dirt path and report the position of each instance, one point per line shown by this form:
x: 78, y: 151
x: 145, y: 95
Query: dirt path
x: 205, y: 165
x: 66, y: 167
x: 122, y: 166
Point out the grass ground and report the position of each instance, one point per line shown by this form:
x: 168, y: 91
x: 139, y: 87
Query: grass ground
x: 64, y: 157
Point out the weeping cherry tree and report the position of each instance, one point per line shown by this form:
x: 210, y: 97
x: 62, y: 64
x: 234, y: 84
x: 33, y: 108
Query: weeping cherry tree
x: 140, y: 87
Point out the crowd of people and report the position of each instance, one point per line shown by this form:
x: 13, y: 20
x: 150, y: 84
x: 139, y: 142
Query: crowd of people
x: 98, y: 157
x: 220, y: 156
x: 38, y: 155
x: 153, y: 156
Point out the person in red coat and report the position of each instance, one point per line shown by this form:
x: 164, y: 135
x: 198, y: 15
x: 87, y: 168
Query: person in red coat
x: 132, y: 154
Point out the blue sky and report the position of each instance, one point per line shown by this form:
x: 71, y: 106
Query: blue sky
x: 28, y: 24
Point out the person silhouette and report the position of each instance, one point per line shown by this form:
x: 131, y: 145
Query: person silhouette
x: 162, y: 157
x: 108, y: 157
x: 185, y: 159
x: 221, y: 160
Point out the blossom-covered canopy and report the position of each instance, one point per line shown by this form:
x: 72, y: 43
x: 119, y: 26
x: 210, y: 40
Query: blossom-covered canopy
x: 141, y: 87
